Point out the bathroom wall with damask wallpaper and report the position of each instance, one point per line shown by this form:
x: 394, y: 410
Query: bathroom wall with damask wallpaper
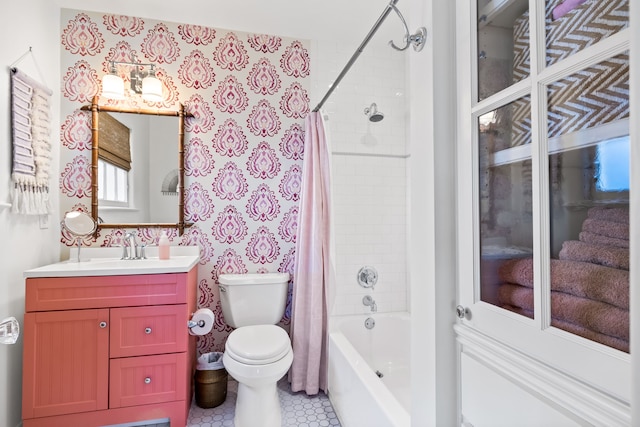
x: 249, y: 94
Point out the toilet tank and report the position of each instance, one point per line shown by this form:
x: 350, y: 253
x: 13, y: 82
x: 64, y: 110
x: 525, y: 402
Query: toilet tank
x: 253, y: 299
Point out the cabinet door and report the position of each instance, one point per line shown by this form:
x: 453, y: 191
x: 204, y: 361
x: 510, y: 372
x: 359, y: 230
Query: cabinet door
x: 543, y: 143
x: 65, y: 362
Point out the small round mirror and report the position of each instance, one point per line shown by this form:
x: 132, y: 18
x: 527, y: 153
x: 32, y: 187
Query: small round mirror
x: 79, y: 224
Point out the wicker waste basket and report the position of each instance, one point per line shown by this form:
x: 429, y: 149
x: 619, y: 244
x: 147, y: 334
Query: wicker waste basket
x: 210, y: 380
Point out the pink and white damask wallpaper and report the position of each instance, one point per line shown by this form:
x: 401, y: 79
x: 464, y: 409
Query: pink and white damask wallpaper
x: 243, y: 147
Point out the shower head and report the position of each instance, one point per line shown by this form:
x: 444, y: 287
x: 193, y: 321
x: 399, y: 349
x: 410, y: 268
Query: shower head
x: 373, y: 113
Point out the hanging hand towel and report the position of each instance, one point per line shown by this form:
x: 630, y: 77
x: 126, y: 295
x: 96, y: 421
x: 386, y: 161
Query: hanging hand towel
x: 30, y: 111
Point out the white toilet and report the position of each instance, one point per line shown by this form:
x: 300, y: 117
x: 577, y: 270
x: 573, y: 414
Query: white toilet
x: 257, y: 353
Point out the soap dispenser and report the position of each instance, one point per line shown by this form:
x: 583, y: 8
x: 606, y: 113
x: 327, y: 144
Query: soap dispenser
x: 163, y: 246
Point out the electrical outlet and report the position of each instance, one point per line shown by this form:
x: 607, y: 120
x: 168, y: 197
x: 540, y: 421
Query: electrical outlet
x: 44, y: 221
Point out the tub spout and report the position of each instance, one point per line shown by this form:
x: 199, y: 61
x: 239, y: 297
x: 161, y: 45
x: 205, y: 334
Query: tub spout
x: 370, y: 302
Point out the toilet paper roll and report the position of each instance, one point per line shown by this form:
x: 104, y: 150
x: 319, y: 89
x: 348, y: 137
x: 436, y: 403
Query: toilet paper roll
x: 203, y: 320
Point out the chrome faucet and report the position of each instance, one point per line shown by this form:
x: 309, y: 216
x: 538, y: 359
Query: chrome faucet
x: 131, y: 244
x: 370, y: 302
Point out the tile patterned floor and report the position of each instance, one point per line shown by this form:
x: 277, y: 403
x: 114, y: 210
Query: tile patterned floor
x: 298, y: 410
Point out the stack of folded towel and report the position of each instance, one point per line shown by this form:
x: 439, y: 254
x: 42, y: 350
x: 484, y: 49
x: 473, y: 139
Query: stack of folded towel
x: 589, y: 281
x: 606, y: 226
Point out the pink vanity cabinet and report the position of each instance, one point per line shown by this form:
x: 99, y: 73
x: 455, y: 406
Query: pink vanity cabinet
x: 103, y: 350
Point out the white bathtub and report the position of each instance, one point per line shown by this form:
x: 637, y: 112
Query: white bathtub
x: 359, y: 396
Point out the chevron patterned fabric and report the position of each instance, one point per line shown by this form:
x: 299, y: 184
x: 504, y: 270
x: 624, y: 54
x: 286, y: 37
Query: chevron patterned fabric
x: 584, y: 26
x: 521, y: 58
x: 595, y: 95
x: 521, y: 108
x: 591, y: 97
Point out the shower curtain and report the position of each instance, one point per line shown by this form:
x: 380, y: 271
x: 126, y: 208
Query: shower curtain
x: 313, y: 272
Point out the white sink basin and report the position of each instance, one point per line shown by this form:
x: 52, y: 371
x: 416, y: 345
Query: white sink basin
x: 107, y: 262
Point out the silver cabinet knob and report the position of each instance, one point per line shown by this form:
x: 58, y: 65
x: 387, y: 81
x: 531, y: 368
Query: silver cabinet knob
x: 147, y: 380
x: 461, y: 312
x: 103, y: 325
x: 147, y: 331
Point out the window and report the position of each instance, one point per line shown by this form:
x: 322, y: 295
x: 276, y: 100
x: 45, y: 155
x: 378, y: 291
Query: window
x: 114, y: 162
x: 113, y: 188
x: 612, y: 165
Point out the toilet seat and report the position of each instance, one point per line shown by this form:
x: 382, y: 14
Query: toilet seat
x: 258, y: 344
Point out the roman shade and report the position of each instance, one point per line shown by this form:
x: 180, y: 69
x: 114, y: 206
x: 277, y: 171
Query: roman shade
x: 113, y: 144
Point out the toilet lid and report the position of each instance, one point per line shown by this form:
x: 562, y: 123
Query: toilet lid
x: 258, y: 344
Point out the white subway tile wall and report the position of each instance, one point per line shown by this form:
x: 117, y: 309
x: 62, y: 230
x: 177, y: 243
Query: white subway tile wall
x: 369, y: 170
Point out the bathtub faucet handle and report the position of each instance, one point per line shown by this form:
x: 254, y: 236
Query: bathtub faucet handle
x: 367, y: 277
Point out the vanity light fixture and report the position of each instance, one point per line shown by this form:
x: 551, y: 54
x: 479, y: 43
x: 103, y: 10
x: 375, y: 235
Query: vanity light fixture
x: 112, y: 84
x: 142, y: 82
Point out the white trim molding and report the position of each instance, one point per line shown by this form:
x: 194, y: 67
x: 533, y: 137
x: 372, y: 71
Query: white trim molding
x: 572, y: 397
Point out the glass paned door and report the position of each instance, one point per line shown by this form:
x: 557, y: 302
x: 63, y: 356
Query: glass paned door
x: 537, y: 272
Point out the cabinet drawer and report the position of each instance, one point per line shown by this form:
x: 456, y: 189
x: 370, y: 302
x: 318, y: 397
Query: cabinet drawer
x: 146, y: 380
x: 69, y: 293
x: 139, y: 331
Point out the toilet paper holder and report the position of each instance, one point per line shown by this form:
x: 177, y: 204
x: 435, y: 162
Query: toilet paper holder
x: 9, y: 330
x: 201, y: 322
x: 192, y: 324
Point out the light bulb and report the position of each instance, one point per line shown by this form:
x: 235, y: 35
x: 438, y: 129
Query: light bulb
x: 152, y: 88
x: 112, y: 86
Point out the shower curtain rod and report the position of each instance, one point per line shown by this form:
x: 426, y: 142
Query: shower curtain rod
x: 387, y: 10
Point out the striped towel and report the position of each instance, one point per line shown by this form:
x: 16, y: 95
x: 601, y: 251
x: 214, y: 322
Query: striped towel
x: 30, y: 116
x: 24, y: 166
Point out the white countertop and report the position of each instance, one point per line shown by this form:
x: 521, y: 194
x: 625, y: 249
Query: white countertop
x: 107, y: 262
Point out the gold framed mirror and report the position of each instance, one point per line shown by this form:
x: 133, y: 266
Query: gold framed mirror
x: 135, y: 179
